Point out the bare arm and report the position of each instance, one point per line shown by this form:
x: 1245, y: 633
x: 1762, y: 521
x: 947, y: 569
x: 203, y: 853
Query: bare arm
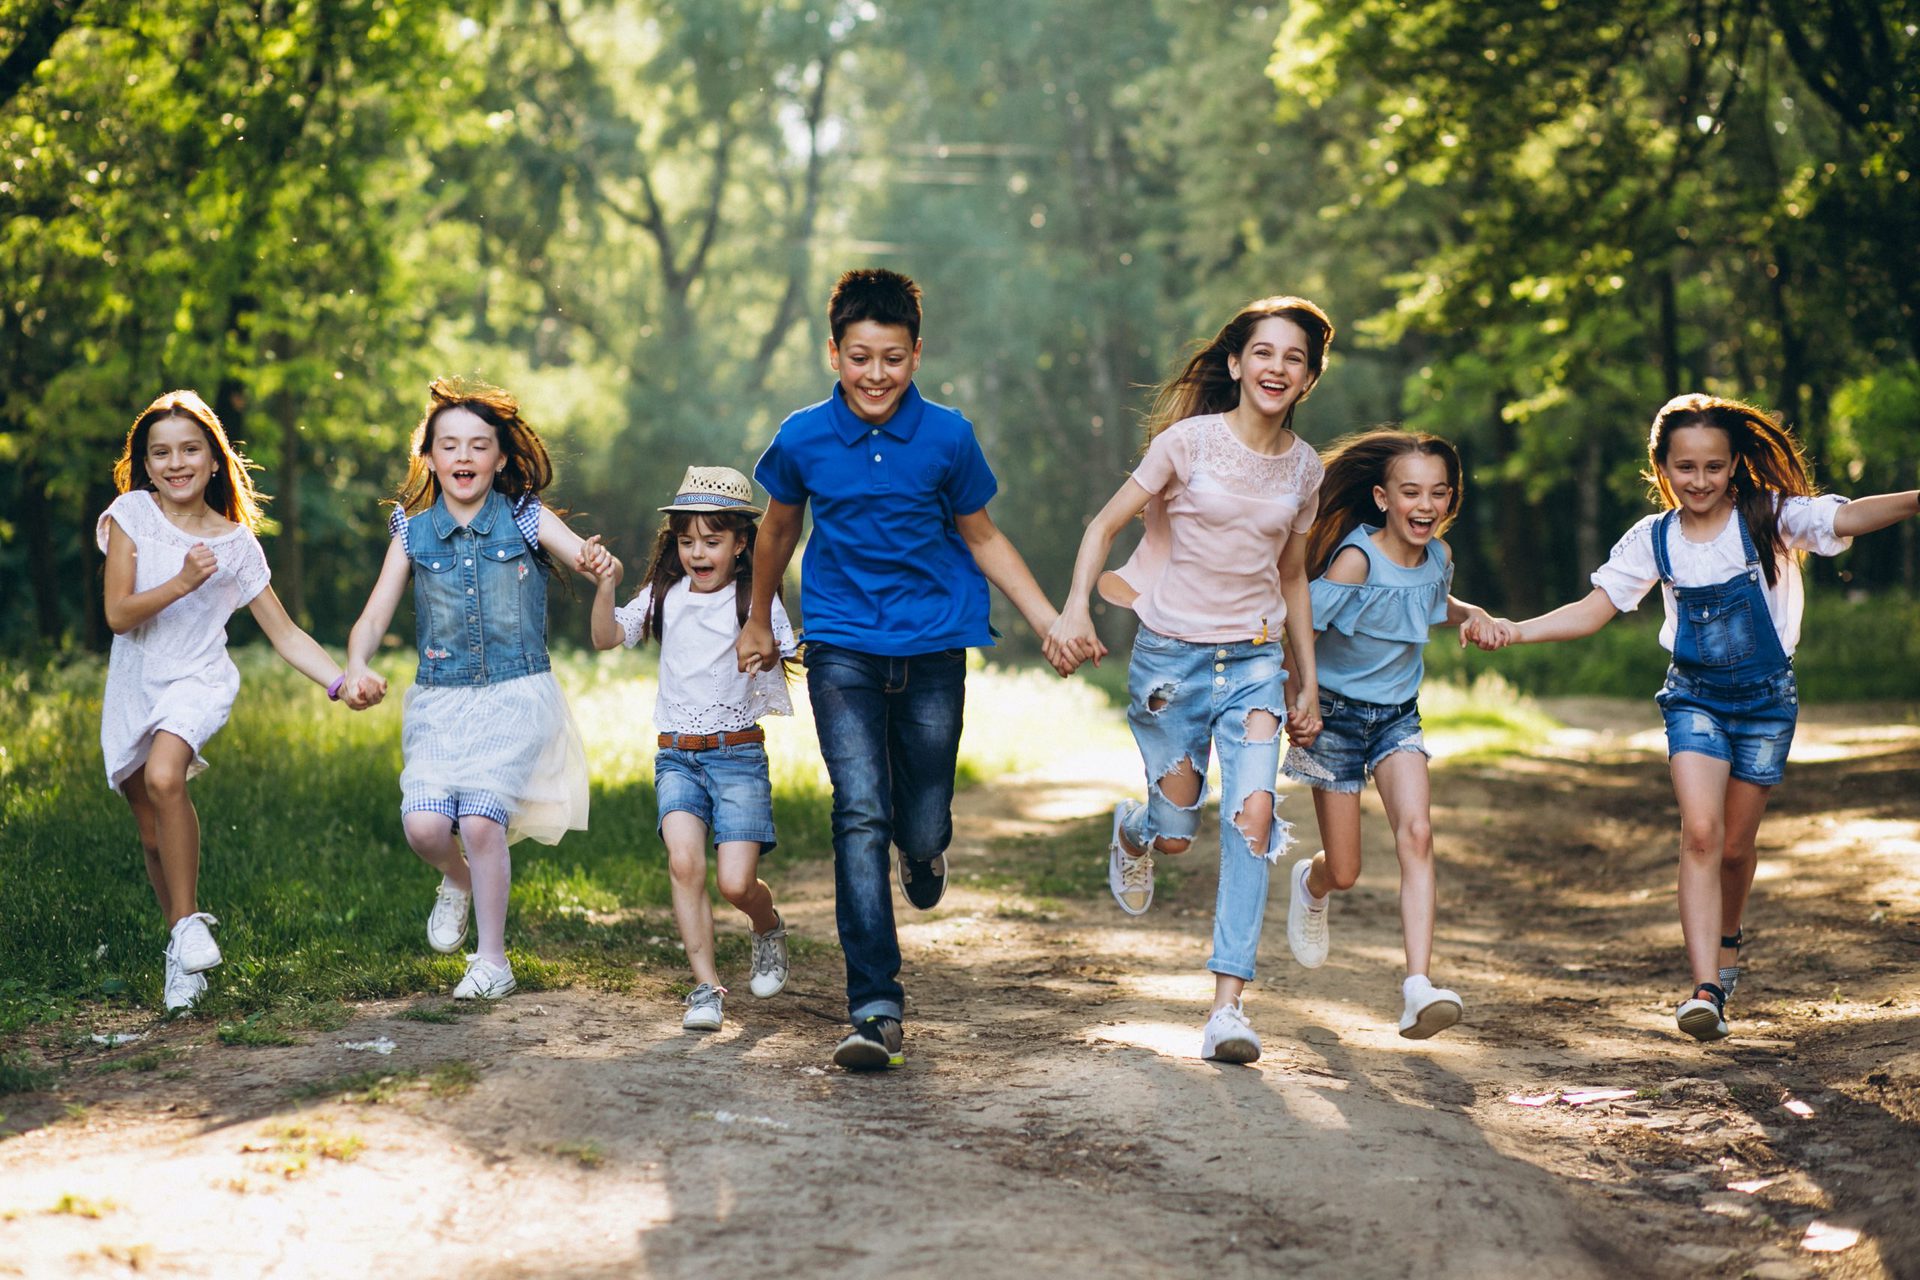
x: 1583, y: 617
x: 374, y: 620
x: 560, y: 542
x: 606, y: 628
x: 1304, y: 715
x: 773, y: 548
x: 127, y: 608
x: 300, y: 650
x: 1074, y: 631
x: 1870, y: 515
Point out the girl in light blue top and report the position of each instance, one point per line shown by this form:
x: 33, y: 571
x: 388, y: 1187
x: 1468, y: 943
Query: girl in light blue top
x: 1381, y: 577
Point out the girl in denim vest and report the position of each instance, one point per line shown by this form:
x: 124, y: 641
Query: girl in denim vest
x: 181, y: 558
x: 490, y: 746
x: 1227, y: 489
x: 710, y: 776
x: 1740, y: 510
x: 1382, y: 580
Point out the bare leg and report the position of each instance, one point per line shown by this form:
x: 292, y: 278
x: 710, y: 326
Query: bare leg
x: 1701, y: 783
x: 145, y: 819
x: 176, y: 825
x: 431, y: 836
x: 490, y: 867
x: 686, y: 840
x: 737, y: 867
x: 1746, y: 805
x: 1338, y: 866
x: 1226, y: 989
x: 1181, y: 785
x: 1404, y: 790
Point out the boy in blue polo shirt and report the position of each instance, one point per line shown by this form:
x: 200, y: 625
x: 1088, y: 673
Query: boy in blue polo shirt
x: 894, y: 587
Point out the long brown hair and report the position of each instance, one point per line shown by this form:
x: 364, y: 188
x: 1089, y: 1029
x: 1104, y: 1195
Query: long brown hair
x: 528, y: 469
x: 1354, y: 466
x: 664, y: 568
x: 1204, y: 384
x: 1767, y: 464
x: 230, y: 489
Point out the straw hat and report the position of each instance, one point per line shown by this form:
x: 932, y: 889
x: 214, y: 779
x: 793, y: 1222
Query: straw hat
x: 714, y: 489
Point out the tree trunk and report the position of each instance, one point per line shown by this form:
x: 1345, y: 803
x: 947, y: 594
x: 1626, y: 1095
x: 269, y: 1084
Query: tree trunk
x: 292, y: 551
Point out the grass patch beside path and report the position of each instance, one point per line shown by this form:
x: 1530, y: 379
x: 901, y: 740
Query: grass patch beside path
x: 320, y: 899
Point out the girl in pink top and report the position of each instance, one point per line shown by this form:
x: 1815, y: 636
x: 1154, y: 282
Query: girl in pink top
x: 1225, y: 485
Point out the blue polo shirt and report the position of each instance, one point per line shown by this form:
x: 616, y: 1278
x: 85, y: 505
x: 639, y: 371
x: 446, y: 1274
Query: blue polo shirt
x: 886, y: 571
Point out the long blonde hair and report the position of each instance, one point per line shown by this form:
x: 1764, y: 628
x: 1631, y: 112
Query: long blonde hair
x: 1204, y: 384
x: 230, y: 489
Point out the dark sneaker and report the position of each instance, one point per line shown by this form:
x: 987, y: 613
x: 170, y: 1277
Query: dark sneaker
x: 874, y: 1045
x: 923, y: 882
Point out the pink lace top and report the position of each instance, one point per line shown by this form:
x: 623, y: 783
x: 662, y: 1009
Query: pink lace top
x: 1208, y: 569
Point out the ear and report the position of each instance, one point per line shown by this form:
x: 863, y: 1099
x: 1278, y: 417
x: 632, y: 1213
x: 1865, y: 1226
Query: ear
x: 833, y: 355
x: 1380, y: 498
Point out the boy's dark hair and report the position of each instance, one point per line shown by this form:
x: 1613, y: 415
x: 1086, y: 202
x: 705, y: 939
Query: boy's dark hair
x: 876, y: 294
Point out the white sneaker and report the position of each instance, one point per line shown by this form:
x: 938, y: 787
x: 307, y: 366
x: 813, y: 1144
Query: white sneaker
x: 704, y: 1010
x: 447, y: 922
x: 1129, y: 875
x: 1306, y: 923
x: 769, y: 961
x: 1704, y: 1015
x: 1429, y: 1010
x: 1229, y: 1036
x: 485, y: 980
x: 193, y: 945
x: 182, y: 988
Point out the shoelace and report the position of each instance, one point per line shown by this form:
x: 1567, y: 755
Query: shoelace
x: 1316, y: 926
x: 765, y: 956
x: 1136, y: 872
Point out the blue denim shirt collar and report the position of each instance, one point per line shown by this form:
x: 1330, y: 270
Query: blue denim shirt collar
x: 482, y: 523
x: 850, y: 426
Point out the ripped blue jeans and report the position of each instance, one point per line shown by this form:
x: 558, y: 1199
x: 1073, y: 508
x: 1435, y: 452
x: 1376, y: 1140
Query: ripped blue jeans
x: 1185, y: 699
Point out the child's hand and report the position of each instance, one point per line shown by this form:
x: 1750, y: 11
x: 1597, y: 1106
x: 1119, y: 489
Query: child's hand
x: 198, y: 566
x: 1303, y: 717
x: 1063, y: 660
x: 598, y: 563
x: 1073, y: 638
x: 755, y: 650
x: 1488, y: 633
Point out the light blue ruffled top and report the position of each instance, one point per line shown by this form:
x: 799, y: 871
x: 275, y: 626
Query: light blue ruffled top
x: 1372, y: 637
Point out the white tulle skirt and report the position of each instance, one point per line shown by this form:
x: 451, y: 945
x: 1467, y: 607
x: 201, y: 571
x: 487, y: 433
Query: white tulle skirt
x: 515, y: 741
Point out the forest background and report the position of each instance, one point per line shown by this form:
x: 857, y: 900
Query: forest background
x: 1532, y: 222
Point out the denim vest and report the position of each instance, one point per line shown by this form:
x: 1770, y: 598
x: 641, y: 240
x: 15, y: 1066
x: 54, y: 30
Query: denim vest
x: 479, y: 597
x: 1723, y: 636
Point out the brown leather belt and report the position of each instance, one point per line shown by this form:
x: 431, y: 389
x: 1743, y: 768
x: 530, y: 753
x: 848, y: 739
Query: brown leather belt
x: 708, y: 741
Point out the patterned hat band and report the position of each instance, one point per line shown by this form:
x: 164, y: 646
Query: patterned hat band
x: 708, y: 500
x: 713, y: 489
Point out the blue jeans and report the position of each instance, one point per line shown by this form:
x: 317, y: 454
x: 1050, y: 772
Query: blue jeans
x: 890, y: 734
x: 1184, y: 699
x: 727, y: 788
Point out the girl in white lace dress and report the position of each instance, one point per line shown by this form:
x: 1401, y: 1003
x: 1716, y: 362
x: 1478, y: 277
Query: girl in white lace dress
x: 1227, y: 489
x: 710, y: 773
x: 490, y: 748
x: 181, y: 557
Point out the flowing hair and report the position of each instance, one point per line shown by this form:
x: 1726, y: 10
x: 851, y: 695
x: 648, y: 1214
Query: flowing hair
x: 528, y: 469
x: 1768, y: 465
x: 664, y: 568
x: 1204, y: 384
x: 230, y: 489
x: 1355, y: 465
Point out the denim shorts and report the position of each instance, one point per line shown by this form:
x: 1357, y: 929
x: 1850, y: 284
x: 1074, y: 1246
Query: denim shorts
x: 1354, y: 738
x: 725, y: 787
x: 1751, y: 727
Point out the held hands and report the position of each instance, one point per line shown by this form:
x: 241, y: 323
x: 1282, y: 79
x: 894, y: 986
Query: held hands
x: 362, y: 687
x: 1071, y: 640
x: 1488, y: 633
x: 756, y: 651
x: 1303, y: 714
x: 598, y: 563
x: 198, y: 567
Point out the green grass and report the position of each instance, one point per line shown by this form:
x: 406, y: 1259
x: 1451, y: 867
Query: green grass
x: 303, y: 860
x: 19, y: 1075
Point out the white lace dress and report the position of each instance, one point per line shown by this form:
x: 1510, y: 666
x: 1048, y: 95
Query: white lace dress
x: 172, y: 671
x: 702, y: 689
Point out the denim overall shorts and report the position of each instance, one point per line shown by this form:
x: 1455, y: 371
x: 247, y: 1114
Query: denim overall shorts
x: 1730, y: 692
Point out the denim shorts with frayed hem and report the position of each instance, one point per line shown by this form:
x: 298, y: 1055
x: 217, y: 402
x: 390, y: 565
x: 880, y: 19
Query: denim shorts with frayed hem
x: 1354, y: 738
x: 1750, y: 728
x: 725, y: 787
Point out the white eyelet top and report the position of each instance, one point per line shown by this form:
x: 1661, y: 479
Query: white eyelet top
x: 701, y: 688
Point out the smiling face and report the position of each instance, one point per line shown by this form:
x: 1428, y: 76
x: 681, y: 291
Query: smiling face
x: 464, y: 451
x: 1417, y: 497
x: 1272, y: 368
x: 1699, y: 468
x: 180, y: 460
x: 876, y: 363
x: 710, y: 555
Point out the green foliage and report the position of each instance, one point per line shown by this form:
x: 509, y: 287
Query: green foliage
x: 19, y: 1074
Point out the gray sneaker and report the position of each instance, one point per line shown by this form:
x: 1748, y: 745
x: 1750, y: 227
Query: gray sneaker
x: 770, y: 960
x: 704, y: 1012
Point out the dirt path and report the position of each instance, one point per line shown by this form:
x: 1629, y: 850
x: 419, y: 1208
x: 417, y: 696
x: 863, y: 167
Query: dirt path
x: 1053, y: 1115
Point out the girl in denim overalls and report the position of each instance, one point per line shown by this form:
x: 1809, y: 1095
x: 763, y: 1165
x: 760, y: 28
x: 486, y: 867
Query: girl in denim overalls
x: 490, y: 748
x: 1382, y: 579
x: 1227, y: 488
x: 1740, y: 508
x: 710, y: 777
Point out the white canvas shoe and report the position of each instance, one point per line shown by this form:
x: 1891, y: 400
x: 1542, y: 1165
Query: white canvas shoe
x: 193, y: 944
x: 1229, y: 1037
x: 1429, y: 1010
x: 485, y: 980
x: 1306, y: 924
x: 769, y: 961
x: 447, y: 922
x: 1129, y: 875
